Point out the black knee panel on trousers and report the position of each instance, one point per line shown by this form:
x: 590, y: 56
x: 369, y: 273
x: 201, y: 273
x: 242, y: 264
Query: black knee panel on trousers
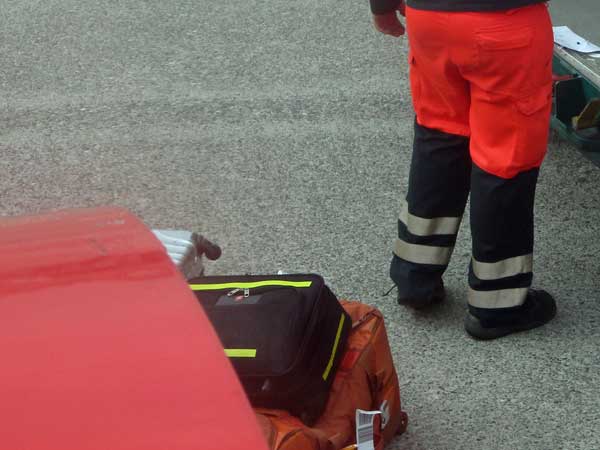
x: 502, y: 214
x: 440, y: 173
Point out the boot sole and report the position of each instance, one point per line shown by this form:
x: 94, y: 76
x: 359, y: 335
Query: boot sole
x: 474, y: 329
x: 419, y: 305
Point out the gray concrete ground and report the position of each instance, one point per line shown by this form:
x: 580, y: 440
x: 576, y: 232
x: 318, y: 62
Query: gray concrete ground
x: 283, y: 130
x: 581, y: 16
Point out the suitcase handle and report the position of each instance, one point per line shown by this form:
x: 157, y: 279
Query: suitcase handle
x: 206, y: 247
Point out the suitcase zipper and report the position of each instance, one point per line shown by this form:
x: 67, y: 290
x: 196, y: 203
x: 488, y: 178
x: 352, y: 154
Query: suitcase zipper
x: 259, y: 290
x: 246, y: 292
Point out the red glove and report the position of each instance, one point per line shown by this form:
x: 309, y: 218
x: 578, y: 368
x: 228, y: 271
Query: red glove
x: 388, y: 23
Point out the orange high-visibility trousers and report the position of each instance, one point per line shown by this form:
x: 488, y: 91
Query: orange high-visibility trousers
x: 487, y: 76
x: 481, y: 84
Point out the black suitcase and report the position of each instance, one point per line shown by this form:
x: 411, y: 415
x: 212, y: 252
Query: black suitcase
x: 285, y: 335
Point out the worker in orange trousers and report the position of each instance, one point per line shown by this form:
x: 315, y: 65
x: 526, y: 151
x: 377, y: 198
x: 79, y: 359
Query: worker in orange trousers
x: 481, y: 84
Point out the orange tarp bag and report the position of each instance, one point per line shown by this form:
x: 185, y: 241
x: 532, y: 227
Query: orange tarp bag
x: 366, y: 380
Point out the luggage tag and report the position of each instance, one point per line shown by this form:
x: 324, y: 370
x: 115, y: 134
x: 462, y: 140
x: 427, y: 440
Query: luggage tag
x: 365, y: 424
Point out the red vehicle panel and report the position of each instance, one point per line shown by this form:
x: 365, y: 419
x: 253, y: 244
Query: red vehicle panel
x: 103, y: 346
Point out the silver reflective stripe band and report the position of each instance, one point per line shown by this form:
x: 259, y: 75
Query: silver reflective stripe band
x: 505, y: 298
x: 502, y: 269
x: 420, y: 226
x: 423, y: 254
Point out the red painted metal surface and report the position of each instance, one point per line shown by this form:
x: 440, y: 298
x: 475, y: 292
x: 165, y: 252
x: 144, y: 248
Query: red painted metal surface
x: 102, y: 345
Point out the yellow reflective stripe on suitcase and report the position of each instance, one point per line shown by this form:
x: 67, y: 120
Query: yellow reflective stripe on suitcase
x: 241, y: 352
x: 249, y: 285
x: 336, y: 343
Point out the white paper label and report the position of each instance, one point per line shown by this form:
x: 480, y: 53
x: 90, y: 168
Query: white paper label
x: 364, y: 429
x: 567, y: 38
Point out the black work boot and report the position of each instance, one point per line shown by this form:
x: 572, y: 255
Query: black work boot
x: 438, y: 295
x: 539, y: 308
